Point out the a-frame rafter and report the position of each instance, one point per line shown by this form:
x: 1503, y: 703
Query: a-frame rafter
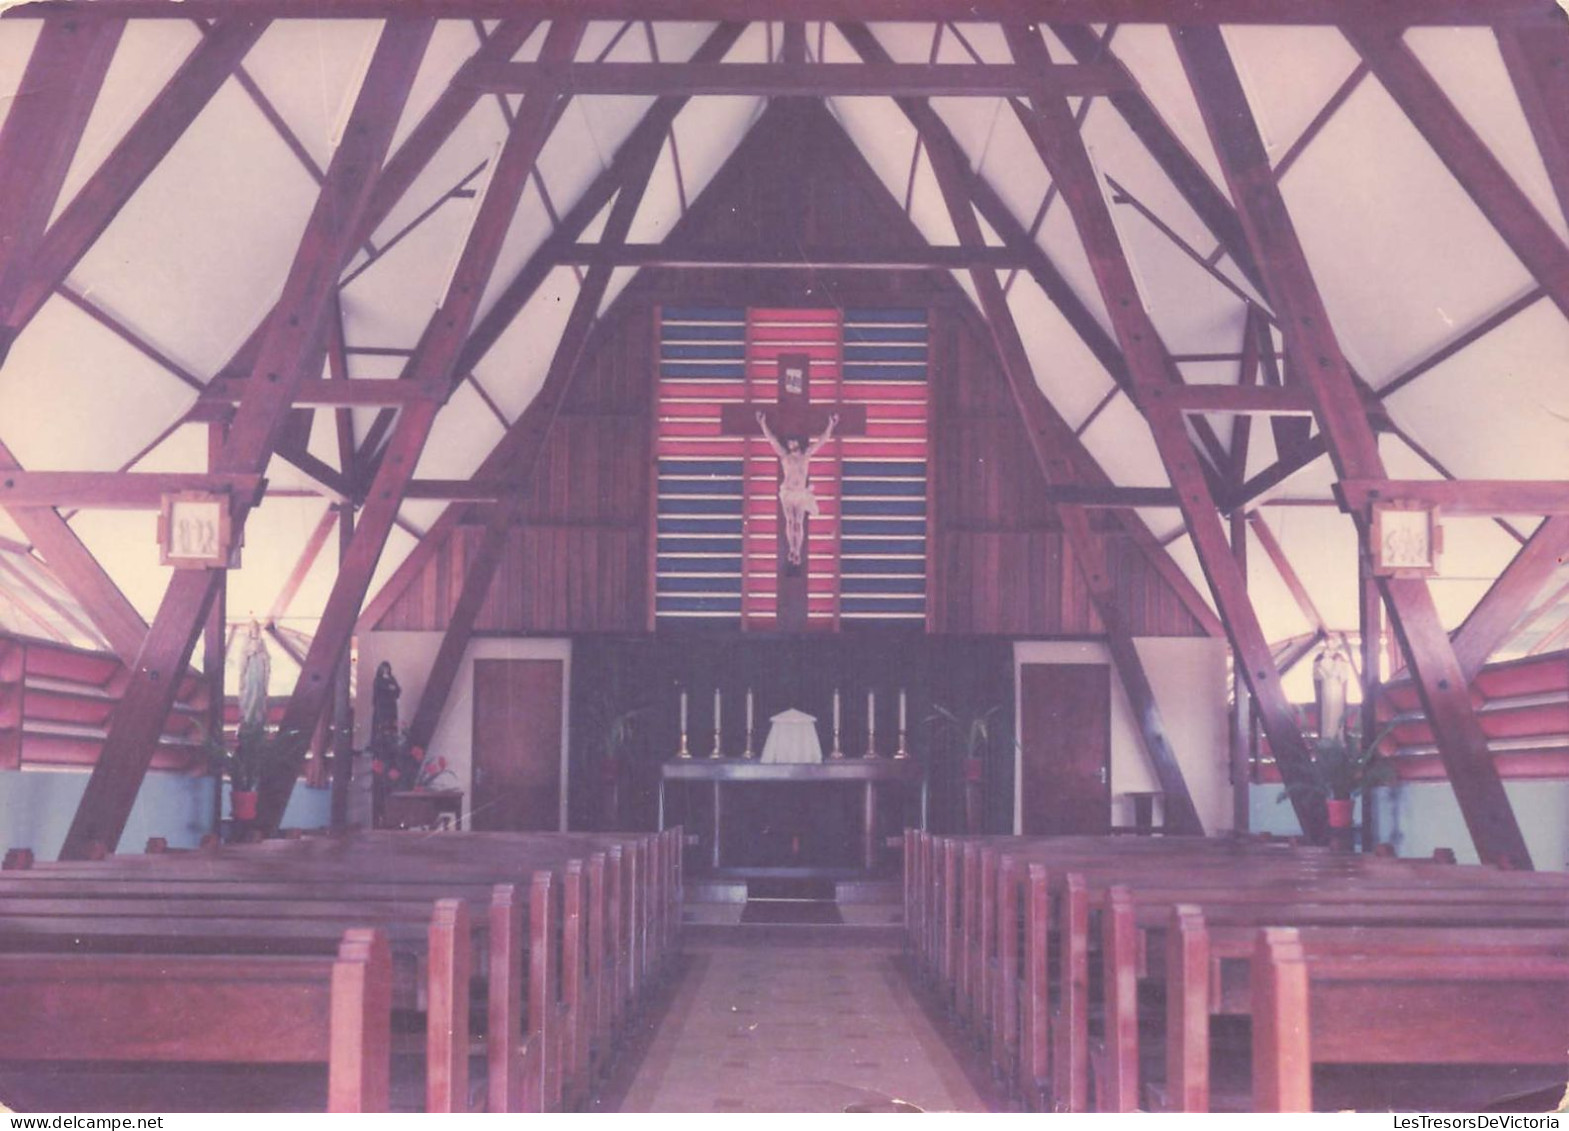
x: 1053, y: 444
x: 986, y: 200
x: 1467, y: 157
x: 432, y: 367
x: 540, y: 416
x: 128, y: 165
x: 291, y: 338
x: 1319, y: 365
x: 655, y: 124
x: 1063, y: 150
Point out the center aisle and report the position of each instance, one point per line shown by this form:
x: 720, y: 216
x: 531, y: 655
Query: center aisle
x: 784, y: 1028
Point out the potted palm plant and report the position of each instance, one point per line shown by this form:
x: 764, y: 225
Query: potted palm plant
x: 255, y: 751
x: 1343, y: 769
x: 971, y: 734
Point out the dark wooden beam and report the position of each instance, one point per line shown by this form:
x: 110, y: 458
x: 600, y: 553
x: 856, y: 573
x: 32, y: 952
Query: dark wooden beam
x: 460, y: 490
x: 1087, y: 495
x: 318, y: 392
x: 133, y: 158
x: 75, y: 568
x: 1507, y: 600
x: 37, y: 143
x: 1319, y: 365
x: 1472, y: 497
x: 1062, y: 148
x: 1179, y: 165
x: 1053, y: 444
x: 1247, y: 400
x: 1277, y: 557
x: 1468, y: 158
x: 673, y: 254
x: 49, y: 111
x: 1255, y: 340
x: 433, y: 366
x: 1460, y: 342
x: 291, y: 338
x: 655, y: 124
x: 1538, y: 63
x: 1281, y: 12
x: 535, y: 424
x: 515, y: 296
x: 816, y: 80
x: 116, y: 490
x: 1240, y: 746
x: 933, y: 132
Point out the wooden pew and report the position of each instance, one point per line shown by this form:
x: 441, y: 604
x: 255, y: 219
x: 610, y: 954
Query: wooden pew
x: 556, y: 1078
x: 335, y: 1011
x: 1121, y: 944
x: 1007, y: 1004
x: 1316, y: 1005
x: 1198, y: 984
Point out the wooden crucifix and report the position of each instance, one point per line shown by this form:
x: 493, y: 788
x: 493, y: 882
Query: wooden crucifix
x: 795, y: 428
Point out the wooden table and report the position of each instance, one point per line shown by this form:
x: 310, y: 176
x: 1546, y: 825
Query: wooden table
x: 874, y: 776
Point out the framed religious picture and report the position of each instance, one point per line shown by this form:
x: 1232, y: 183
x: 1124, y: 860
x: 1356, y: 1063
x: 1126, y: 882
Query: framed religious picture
x: 195, y: 531
x: 1406, y: 539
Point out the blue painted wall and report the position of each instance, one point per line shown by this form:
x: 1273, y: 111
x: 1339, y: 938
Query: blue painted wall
x: 36, y: 808
x: 1418, y: 817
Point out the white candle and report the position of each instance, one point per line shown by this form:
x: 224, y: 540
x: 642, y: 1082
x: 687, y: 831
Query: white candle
x: 871, y: 711
x: 901, y: 709
x: 836, y: 709
x: 749, y: 710
x: 683, y: 710
x: 716, y: 709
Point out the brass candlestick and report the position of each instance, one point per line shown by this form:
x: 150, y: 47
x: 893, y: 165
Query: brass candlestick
x: 682, y: 751
x: 901, y: 752
x: 748, y: 753
x: 871, y: 742
x: 715, y: 753
x: 837, y: 752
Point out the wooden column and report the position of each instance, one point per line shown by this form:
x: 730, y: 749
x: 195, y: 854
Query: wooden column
x: 1318, y: 365
x: 1241, y: 703
x: 290, y: 339
x: 534, y: 427
x: 1371, y: 628
x: 432, y: 369
x: 1058, y: 141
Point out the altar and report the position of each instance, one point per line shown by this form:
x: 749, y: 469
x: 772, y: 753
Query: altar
x: 806, y: 818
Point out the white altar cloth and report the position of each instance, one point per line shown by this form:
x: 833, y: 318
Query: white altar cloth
x: 793, y: 738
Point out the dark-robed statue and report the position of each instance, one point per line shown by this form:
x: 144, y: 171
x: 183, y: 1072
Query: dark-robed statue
x: 384, y: 712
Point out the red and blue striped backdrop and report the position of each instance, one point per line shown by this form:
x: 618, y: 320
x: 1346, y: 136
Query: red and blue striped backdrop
x: 717, y: 520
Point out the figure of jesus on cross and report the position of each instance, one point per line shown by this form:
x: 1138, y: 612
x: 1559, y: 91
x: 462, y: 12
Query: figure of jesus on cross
x: 795, y: 490
x: 796, y: 429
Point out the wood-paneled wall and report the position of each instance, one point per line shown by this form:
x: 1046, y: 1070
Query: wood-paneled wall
x: 998, y: 565
x: 579, y: 562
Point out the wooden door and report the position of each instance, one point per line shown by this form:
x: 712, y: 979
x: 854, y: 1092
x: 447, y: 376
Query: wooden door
x: 517, y: 746
x: 1065, y: 739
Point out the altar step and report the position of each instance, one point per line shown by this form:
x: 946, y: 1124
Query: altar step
x: 760, y: 910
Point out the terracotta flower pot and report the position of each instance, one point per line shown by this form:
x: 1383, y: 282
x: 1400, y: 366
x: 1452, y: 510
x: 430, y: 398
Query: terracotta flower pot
x: 242, y: 803
x: 1340, y: 812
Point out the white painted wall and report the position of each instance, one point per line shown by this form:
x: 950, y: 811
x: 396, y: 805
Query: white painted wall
x: 412, y: 654
x: 1188, y: 677
x: 1419, y: 816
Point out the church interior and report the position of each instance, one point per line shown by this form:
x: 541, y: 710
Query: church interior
x: 819, y: 555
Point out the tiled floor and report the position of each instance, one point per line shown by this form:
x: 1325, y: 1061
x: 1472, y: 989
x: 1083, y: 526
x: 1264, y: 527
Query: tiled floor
x: 783, y: 1028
